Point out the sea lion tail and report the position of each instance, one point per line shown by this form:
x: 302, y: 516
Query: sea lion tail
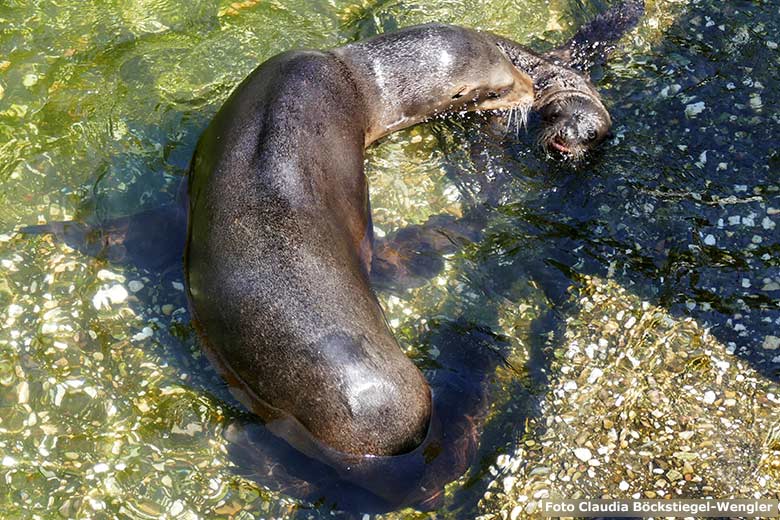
x: 594, y: 42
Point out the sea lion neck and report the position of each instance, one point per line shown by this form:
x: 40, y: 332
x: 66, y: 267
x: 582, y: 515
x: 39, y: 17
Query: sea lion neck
x: 420, y: 72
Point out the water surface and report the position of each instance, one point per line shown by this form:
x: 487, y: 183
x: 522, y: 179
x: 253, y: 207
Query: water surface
x: 107, y: 407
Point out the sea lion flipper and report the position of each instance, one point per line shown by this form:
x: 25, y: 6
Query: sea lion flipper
x: 414, y: 254
x: 152, y: 239
x: 595, y: 41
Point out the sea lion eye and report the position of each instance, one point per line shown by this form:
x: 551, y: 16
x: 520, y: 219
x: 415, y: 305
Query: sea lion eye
x: 592, y: 135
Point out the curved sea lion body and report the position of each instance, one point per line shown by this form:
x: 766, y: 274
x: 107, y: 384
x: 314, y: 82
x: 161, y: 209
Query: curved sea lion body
x: 279, y: 244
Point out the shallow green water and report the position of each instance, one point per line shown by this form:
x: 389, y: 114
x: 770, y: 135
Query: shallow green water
x: 107, y: 407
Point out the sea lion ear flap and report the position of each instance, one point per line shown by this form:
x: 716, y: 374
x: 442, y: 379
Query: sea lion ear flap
x: 595, y: 41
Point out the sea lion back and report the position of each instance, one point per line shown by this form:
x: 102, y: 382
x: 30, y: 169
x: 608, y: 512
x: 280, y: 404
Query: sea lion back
x: 278, y: 285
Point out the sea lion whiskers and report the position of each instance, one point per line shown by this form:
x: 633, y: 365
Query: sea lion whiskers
x: 523, y: 112
x: 517, y: 115
x: 509, y: 114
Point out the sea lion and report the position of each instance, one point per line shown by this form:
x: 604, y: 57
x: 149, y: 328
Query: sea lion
x: 233, y: 141
x: 279, y: 243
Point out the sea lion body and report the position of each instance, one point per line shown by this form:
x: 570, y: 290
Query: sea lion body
x: 279, y: 243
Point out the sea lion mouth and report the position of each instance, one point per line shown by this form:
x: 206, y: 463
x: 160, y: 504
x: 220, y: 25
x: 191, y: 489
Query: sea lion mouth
x: 559, y: 144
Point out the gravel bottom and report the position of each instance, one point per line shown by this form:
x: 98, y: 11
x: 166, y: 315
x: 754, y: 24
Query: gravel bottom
x: 642, y: 405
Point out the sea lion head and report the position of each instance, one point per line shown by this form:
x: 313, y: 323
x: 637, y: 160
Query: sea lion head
x: 574, y: 119
x: 574, y: 122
